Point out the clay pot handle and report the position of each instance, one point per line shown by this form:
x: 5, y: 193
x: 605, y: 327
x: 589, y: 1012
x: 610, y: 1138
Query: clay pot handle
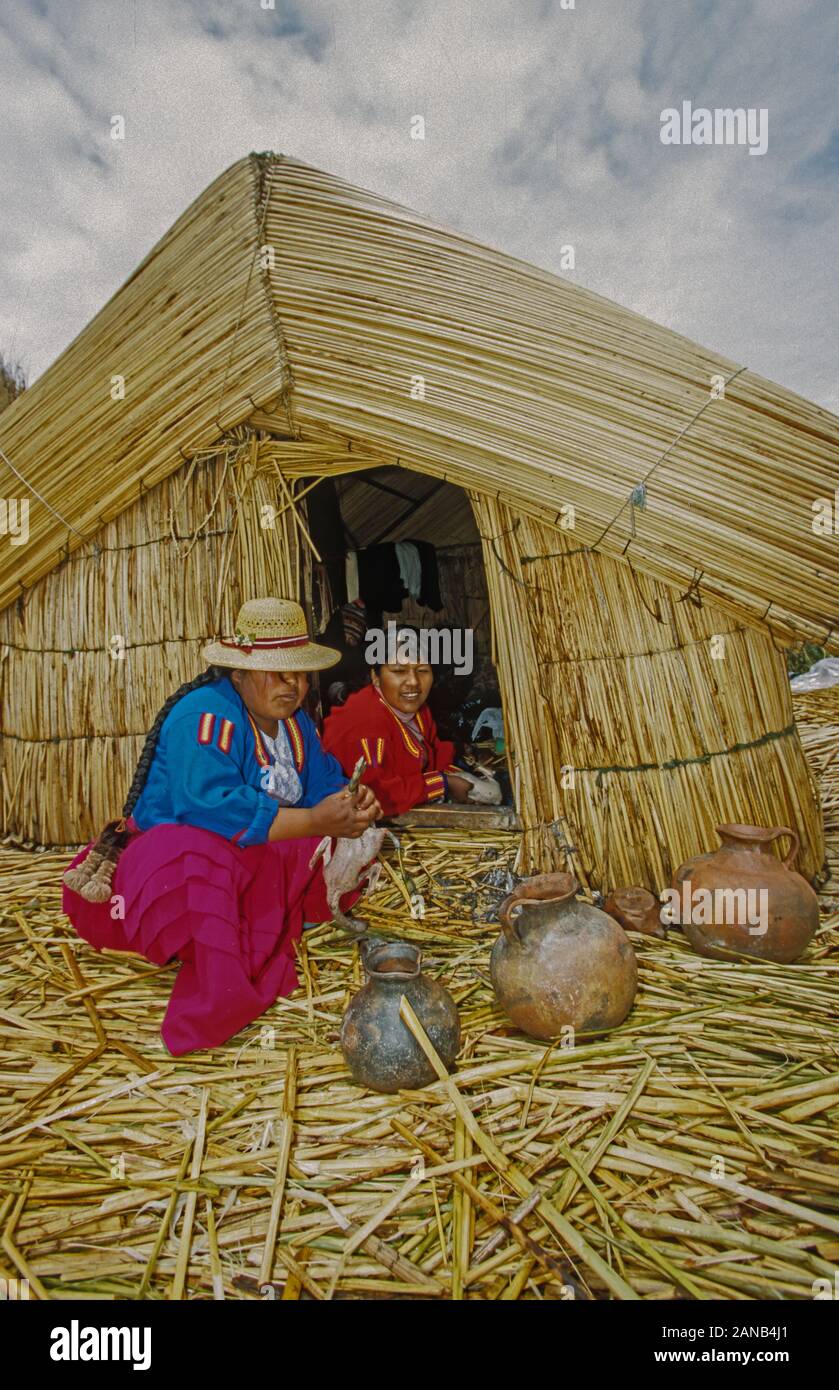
x: 683, y: 872
x: 540, y: 888
x: 778, y: 834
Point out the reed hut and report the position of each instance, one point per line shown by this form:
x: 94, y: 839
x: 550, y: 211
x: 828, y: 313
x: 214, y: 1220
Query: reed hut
x: 628, y: 514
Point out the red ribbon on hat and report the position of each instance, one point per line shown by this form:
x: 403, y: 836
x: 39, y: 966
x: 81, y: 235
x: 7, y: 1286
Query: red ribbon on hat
x: 265, y: 643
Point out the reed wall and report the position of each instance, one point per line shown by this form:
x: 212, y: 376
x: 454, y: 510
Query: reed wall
x: 669, y: 718
x: 164, y: 576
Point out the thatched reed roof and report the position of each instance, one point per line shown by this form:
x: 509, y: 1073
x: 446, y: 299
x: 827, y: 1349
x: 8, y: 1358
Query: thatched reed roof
x: 535, y: 390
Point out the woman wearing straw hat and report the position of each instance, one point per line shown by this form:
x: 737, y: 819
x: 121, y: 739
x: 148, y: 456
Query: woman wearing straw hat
x: 210, y: 861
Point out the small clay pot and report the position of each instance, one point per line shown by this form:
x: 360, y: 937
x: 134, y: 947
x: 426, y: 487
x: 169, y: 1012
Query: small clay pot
x: 380, y: 1051
x: 636, y: 910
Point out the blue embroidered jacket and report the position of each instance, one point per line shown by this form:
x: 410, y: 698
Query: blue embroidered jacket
x: 209, y: 760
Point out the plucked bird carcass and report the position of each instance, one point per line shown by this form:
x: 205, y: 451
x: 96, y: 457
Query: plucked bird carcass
x: 346, y: 864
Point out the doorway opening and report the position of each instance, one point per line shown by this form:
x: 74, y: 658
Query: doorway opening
x: 403, y: 547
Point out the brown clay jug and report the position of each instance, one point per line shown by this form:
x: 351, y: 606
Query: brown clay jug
x: 560, y: 962
x: 758, y: 905
x: 378, y: 1048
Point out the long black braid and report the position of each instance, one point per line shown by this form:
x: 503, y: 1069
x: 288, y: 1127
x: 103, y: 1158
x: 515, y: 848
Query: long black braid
x: 144, y: 762
x: 92, y: 878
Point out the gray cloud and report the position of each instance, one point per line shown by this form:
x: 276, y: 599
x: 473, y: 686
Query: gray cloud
x: 542, y: 128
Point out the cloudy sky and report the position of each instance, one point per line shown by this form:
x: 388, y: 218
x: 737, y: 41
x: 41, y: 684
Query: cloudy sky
x: 542, y: 123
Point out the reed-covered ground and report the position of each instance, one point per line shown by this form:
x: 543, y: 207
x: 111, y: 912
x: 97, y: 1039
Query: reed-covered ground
x: 690, y: 1154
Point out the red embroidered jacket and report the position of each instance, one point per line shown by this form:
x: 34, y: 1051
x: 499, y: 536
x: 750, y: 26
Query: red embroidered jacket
x: 404, y: 771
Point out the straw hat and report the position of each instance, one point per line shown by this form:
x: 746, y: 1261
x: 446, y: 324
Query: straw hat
x: 271, y: 635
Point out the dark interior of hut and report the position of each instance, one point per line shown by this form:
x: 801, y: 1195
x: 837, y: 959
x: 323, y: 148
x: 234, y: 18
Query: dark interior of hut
x: 402, y: 547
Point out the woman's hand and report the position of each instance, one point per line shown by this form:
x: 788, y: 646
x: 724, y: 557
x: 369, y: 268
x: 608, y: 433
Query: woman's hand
x: 340, y: 815
x: 365, y: 800
x: 459, y: 788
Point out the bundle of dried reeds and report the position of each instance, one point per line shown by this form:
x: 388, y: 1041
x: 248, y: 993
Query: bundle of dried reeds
x: 817, y: 718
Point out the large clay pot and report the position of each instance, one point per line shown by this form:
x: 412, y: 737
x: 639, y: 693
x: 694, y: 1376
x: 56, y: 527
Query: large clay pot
x: 774, y: 919
x: 380, y: 1051
x: 561, y: 962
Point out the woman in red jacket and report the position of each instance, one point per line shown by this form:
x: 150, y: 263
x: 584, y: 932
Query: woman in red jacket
x: 389, y: 724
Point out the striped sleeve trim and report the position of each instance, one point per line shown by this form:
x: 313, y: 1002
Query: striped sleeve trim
x: 206, y: 725
x: 436, y: 784
x: 373, y: 750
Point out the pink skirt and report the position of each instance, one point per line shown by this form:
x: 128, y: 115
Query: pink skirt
x: 230, y: 915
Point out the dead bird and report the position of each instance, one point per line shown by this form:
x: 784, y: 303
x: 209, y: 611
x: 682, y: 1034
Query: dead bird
x: 484, y: 787
x: 346, y: 864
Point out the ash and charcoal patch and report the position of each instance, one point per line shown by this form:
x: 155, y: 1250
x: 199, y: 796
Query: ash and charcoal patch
x: 481, y: 901
x: 493, y: 887
x: 501, y: 880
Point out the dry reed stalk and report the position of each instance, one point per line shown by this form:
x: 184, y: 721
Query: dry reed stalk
x: 460, y: 1217
x: 215, y: 1259
x: 285, y: 1120
x: 179, y: 1281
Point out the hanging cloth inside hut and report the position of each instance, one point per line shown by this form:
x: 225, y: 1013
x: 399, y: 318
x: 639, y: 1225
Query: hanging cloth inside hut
x: 353, y: 622
x: 430, y: 591
x: 351, y: 566
x: 380, y: 581
x: 410, y: 567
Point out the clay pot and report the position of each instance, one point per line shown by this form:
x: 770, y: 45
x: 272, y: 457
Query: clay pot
x: 560, y: 962
x: 774, y: 919
x: 379, y: 1050
x: 636, y: 910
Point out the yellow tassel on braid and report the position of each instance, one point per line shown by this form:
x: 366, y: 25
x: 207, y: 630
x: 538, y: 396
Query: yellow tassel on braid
x: 98, y: 887
x: 76, y: 878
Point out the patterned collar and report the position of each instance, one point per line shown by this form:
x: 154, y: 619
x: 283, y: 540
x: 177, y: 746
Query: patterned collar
x: 292, y: 732
x: 422, y: 719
